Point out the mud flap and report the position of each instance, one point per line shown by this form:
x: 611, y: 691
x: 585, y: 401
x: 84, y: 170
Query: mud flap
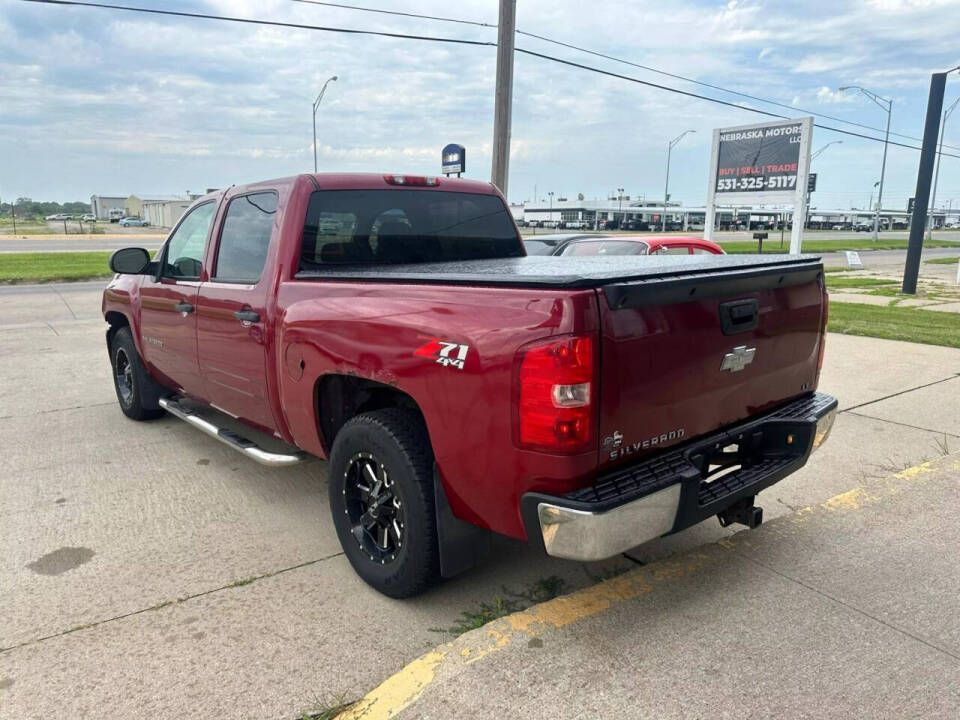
x: 462, y: 544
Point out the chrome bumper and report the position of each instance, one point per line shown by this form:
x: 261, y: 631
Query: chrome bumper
x: 603, y: 521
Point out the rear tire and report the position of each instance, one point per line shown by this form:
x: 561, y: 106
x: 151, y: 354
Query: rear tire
x: 137, y: 392
x: 382, y: 501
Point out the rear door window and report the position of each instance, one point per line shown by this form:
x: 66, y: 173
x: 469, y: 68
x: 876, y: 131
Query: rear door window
x: 245, y: 238
x: 406, y: 226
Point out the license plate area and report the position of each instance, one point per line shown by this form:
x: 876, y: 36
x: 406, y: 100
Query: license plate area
x: 731, y: 463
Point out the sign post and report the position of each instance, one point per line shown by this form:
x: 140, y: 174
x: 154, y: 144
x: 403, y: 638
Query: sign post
x: 765, y: 164
x: 453, y: 159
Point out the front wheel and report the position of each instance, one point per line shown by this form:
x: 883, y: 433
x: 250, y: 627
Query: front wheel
x: 137, y: 392
x: 381, y: 497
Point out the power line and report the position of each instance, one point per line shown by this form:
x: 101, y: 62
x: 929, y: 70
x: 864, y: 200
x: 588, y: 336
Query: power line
x: 609, y: 73
x: 274, y: 23
x: 457, y: 41
x: 613, y: 58
x: 793, y: 108
x: 398, y: 13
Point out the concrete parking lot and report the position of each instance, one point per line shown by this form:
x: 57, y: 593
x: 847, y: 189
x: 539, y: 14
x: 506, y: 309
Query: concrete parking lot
x: 148, y: 570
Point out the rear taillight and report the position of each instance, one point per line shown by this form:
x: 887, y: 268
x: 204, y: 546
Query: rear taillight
x: 412, y: 180
x: 556, y: 395
x: 823, y: 330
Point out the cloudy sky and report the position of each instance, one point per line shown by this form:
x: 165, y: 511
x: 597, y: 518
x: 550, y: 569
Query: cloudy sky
x: 109, y: 102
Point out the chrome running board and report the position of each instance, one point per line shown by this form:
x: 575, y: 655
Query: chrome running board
x: 228, y: 437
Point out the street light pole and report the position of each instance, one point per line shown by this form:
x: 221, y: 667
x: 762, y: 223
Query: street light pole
x: 886, y: 104
x: 813, y: 157
x: 620, y: 208
x: 551, y: 205
x: 316, y: 104
x: 936, y: 174
x: 666, y: 185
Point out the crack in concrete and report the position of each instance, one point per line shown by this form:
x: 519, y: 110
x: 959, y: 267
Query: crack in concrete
x: 64, y: 301
x: 901, y: 392
x: 849, y: 606
x: 235, y: 584
x: 55, y: 410
x: 906, y: 425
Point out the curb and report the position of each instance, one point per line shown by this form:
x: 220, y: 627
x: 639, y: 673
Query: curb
x: 404, y: 688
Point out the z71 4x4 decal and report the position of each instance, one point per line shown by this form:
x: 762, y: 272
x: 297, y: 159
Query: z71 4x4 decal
x: 446, y: 353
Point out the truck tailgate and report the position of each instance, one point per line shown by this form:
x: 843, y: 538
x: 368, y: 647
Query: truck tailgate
x: 682, y: 356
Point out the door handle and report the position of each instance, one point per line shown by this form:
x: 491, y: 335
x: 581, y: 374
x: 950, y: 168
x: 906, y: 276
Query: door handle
x: 247, y: 316
x: 183, y: 307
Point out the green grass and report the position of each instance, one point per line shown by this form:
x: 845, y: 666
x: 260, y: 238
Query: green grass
x: 540, y: 591
x: 51, y: 267
x: 942, y: 261
x: 896, y: 323
x: 833, y: 269
x: 834, y: 283
x: 772, y: 245
x: 327, y: 709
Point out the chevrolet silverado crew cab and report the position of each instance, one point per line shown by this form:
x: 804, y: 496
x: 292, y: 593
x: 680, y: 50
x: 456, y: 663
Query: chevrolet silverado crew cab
x: 394, y: 325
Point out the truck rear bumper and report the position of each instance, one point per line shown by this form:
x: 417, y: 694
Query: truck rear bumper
x: 680, y: 487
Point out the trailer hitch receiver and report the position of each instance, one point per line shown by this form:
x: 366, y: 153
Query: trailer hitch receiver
x: 743, y: 512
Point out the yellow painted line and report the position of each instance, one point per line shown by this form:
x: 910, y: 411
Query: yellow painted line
x: 403, y: 689
x: 399, y: 691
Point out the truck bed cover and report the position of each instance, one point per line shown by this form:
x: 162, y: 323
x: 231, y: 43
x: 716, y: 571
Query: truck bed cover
x: 628, y: 281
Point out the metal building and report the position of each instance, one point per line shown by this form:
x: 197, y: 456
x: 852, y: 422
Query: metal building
x: 101, y: 205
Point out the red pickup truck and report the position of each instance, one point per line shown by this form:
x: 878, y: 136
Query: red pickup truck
x: 394, y: 325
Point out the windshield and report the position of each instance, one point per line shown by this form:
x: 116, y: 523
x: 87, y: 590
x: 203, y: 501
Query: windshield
x: 538, y: 247
x: 606, y: 247
x: 406, y: 226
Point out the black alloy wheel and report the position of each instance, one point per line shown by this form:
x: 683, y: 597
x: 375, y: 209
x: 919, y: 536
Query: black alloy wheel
x: 374, y: 508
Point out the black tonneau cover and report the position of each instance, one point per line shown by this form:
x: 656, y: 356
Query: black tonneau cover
x: 627, y: 281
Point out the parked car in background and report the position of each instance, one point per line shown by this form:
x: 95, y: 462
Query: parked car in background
x: 459, y: 388
x: 133, y: 222
x: 837, y: 226
x: 593, y: 245
x: 89, y: 217
x: 58, y: 216
x: 865, y: 226
x: 548, y: 244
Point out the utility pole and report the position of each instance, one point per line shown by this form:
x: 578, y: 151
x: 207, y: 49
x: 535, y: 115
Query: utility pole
x: 551, y: 205
x: 928, y: 150
x: 502, y: 110
x: 936, y: 173
x: 620, y: 210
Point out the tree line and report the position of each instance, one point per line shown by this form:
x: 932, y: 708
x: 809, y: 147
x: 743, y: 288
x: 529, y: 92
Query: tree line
x: 27, y: 207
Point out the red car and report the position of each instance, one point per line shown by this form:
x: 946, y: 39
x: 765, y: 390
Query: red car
x: 626, y: 245
x: 394, y: 325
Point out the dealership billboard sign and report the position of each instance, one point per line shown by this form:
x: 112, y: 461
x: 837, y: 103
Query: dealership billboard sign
x: 764, y: 164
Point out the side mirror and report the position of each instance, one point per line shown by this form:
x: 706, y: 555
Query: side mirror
x: 130, y: 261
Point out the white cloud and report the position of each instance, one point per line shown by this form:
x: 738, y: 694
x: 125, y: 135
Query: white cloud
x: 826, y: 95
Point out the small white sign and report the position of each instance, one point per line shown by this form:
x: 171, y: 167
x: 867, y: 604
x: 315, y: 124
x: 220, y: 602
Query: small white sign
x: 853, y: 260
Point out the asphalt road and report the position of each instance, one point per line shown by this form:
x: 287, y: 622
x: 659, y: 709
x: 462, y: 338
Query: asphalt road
x: 148, y: 570
x: 79, y: 243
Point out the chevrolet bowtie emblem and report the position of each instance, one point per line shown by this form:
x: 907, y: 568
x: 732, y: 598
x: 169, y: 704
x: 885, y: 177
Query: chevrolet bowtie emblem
x: 738, y: 358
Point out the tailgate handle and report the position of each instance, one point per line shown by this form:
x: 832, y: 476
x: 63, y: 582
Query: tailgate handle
x: 739, y: 316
